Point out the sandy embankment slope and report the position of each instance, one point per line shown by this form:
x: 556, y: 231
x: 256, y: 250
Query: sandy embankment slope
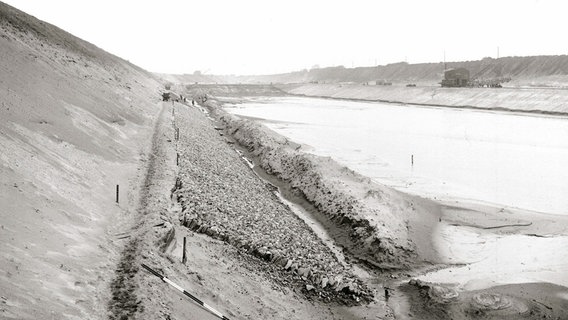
x: 549, y: 101
x: 74, y: 123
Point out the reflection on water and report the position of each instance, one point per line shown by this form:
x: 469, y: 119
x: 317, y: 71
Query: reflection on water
x: 502, y: 158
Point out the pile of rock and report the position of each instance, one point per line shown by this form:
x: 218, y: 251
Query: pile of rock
x: 222, y: 197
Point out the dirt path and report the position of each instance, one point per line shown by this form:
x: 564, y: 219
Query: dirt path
x: 129, y: 297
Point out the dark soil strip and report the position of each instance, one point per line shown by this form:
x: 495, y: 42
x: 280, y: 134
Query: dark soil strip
x: 125, y: 303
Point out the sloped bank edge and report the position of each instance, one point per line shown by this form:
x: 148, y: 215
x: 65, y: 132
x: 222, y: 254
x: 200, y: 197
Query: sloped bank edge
x: 369, y: 244
x: 290, y: 91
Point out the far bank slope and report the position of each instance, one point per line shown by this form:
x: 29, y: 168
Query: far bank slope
x: 548, y: 101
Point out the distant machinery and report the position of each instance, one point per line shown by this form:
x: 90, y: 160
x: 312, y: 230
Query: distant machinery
x: 489, y: 67
x: 457, y: 77
x: 382, y: 82
x: 489, y: 83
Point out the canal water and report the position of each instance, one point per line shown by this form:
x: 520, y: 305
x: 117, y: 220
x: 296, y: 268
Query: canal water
x: 499, y: 158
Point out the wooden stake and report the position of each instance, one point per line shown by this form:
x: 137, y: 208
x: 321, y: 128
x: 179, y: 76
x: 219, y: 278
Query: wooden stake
x: 184, y: 255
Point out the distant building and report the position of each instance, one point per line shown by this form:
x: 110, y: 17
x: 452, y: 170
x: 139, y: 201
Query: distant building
x: 458, y: 77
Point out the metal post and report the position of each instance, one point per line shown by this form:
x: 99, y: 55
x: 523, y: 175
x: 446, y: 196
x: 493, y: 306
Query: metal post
x: 117, y: 189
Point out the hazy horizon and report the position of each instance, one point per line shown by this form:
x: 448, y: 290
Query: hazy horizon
x: 260, y: 37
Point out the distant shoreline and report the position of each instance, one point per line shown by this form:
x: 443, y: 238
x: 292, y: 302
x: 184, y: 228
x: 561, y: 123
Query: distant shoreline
x: 541, y: 101
x: 508, y: 110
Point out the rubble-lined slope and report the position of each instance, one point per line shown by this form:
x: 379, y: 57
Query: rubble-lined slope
x: 222, y: 197
x: 378, y: 217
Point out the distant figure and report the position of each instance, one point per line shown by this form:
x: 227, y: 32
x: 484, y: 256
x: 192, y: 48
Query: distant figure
x: 412, y: 160
x: 193, y: 102
x: 387, y: 293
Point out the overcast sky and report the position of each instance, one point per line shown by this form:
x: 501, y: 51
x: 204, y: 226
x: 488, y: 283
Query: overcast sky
x: 263, y: 36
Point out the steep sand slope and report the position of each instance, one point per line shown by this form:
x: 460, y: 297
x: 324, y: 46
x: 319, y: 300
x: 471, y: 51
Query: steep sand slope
x: 551, y: 101
x: 74, y: 122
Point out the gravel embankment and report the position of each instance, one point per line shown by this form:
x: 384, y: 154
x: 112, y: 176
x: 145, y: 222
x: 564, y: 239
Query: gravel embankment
x: 376, y: 218
x: 222, y: 197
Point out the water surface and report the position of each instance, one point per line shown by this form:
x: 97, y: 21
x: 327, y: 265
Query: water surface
x: 507, y: 159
